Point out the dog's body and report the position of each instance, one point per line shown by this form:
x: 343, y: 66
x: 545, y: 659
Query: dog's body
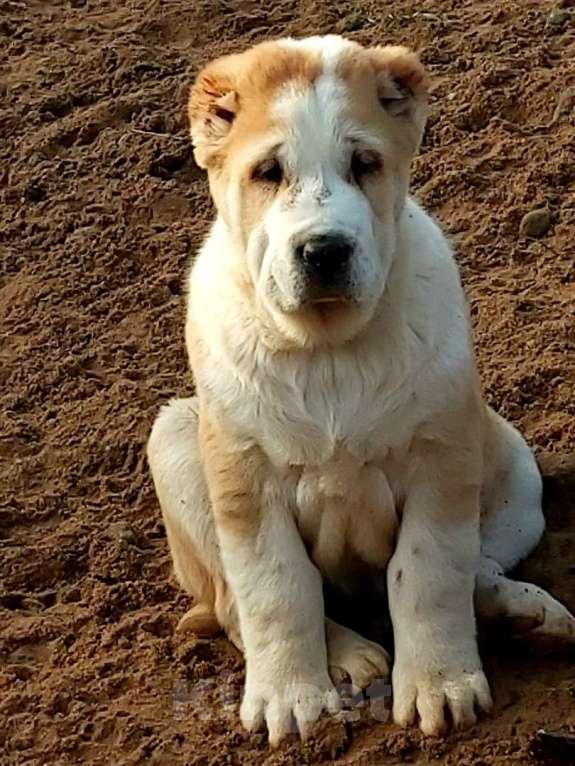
x: 339, y: 429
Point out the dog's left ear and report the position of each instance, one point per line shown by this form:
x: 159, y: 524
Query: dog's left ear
x: 402, y: 86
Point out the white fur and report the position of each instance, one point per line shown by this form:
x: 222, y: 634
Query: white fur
x: 330, y: 48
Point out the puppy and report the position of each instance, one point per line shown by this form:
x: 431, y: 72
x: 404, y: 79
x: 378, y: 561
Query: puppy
x: 338, y: 424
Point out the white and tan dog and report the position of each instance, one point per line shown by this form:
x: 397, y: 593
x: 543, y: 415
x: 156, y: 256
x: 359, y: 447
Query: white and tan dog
x: 338, y: 430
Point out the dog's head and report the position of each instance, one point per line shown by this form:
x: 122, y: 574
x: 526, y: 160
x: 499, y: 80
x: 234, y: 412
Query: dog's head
x: 308, y: 145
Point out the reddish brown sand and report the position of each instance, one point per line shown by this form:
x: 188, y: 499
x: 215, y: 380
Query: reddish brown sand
x: 102, y: 206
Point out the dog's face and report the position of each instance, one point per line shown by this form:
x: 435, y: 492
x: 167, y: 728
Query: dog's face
x: 308, y: 146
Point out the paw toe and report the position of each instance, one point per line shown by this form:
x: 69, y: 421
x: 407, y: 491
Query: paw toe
x: 252, y: 713
x: 404, y: 708
x: 431, y: 709
x: 280, y: 722
x: 482, y: 691
x: 556, y: 634
x: 462, y: 709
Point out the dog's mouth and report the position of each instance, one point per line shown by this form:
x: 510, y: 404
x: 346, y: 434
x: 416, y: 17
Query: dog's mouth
x: 327, y: 315
x: 313, y: 300
x: 328, y: 308
x: 330, y: 299
x: 316, y: 295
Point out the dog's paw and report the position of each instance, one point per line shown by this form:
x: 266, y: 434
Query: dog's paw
x: 350, y: 656
x: 556, y: 633
x: 287, y: 708
x: 200, y: 619
x: 530, y: 614
x: 417, y: 692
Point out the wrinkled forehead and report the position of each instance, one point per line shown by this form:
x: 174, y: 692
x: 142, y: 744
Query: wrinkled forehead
x: 314, y: 96
x: 320, y: 117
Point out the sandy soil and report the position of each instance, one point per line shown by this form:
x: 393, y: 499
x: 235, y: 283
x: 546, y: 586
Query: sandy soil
x: 102, y: 206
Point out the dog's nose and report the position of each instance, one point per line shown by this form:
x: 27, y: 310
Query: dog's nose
x: 326, y: 257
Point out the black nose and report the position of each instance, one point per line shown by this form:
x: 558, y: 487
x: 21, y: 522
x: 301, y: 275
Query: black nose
x: 326, y: 257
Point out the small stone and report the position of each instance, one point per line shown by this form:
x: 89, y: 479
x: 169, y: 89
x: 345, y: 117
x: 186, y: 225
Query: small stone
x: 558, y: 17
x: 121, y: 532
x: 430, y: 17
x: 535, y: 223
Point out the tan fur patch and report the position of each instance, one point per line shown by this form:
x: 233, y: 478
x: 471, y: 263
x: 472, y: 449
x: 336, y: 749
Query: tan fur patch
x: 234, y: 477
x: 253, y: 77
x: 349, y: 515
x: 392, y: 61
x: 373, y: 73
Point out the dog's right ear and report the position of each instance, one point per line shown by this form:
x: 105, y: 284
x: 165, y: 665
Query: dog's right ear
x: 402, y: 85
x: 212, y: 109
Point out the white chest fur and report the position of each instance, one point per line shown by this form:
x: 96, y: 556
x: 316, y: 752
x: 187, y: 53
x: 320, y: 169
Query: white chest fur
x: 332, y: 419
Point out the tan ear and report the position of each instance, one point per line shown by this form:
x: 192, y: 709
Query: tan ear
x: 212, y: 108
x: 403, y: 86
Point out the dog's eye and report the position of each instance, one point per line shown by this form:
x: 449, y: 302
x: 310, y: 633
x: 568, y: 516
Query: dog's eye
x: 268, y: 171
x: 365, y: 163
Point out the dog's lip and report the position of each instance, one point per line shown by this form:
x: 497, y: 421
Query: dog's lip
x: 329, y: 299
x: 323, y: 303
x: 326, y: 306
x: 326, y: 297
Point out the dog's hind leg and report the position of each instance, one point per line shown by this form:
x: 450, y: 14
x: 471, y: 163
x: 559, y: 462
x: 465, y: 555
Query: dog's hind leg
x: 174, y: 458
x: 512, y: 526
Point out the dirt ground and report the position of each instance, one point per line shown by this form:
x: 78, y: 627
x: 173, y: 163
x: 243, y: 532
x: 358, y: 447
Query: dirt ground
x: 101, y: 208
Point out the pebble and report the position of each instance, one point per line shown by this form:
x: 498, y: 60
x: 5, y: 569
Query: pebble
x: 430, y: 17
x: 558, y: 16
x: 121, y: 532
x: 535, y: 223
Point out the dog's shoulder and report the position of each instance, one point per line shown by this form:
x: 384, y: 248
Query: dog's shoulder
x: 434, y: 301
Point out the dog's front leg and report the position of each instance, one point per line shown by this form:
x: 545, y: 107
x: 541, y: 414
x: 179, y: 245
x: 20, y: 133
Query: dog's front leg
x: 431, y: 580
x: 277, y: 589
